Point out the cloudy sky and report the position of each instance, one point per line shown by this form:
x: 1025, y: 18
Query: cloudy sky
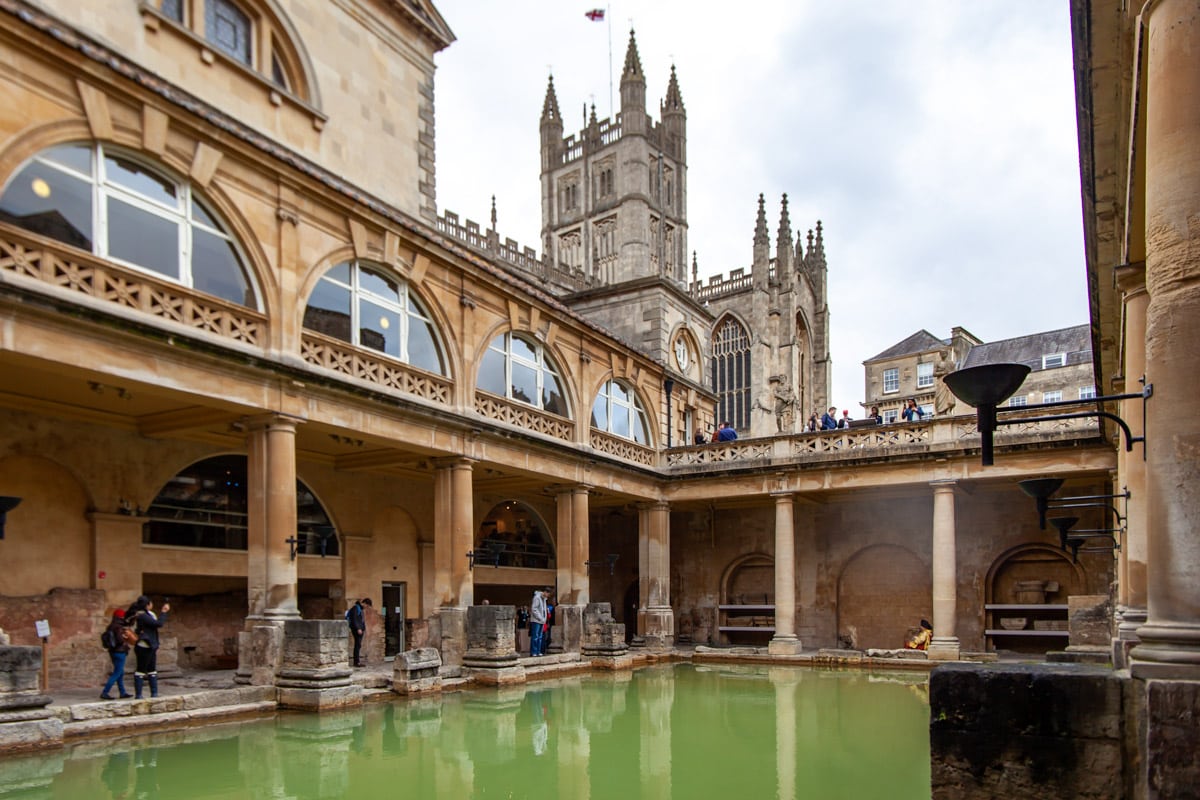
x: 934, y: 140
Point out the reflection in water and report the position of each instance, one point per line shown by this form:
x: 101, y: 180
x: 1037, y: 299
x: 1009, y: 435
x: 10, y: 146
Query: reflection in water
x: 660, y: 733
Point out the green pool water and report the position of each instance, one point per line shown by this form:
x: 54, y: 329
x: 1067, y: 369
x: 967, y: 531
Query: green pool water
x: 669, y: 732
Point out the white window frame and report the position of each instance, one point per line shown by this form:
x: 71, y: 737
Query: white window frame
x: 925, y: 375
x: 890, y: 416
x: 631, y: 409
x: 893, y: 382
x: 1018, y: 400
x: 1054, y: 360
x: 541, y: 365
x: 407, y: 308
x: 1052, y: 396
x: 1087, y: 392
x: 182, y: 213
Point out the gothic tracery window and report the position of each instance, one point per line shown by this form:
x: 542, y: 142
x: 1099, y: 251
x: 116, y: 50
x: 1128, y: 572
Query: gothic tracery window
x: 731, y: 372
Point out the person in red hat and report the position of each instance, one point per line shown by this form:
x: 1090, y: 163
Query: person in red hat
x: 118, y: 651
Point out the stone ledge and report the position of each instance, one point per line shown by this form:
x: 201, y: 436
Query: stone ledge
x: 166, y: 719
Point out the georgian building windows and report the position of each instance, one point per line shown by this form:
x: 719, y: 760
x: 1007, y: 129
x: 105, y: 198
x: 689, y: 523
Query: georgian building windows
x: 96, y: 198
x: 369, y: 307
x: 925, y: 375
x: 618, y: 411
x: 519, y: 368
x: 891, y: 380
x: 731, y: 373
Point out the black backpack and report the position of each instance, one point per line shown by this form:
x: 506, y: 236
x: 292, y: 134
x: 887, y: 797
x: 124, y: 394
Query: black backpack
x: 109, y: 639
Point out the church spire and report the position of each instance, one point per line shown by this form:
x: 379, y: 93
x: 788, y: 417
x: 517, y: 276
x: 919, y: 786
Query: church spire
x: 633, y: 93
x: 550, y: 112
x: 761, y: 237
x: 674, y: 100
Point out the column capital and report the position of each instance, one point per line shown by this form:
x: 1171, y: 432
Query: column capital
x: 943, y: 485
x: 652, y: 505
x: 570, y: 488
x: 782, y: 495
x: 275, y: 420
x: 454, y: 462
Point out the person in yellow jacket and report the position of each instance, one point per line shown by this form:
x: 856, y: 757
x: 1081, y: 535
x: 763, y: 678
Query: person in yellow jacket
x: 920, y: 640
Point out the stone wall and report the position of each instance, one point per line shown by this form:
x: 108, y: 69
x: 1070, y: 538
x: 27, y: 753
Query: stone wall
x: 1028, y: 731
x: 77, y: 617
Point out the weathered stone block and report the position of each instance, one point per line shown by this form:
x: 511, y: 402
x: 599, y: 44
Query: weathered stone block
x: 1172, y: 730
x: 1090, y: 620
x: 20, y: 669
x: 601, y: 635
x: 452, y: 637
x: 416, y: 672
x: 320, y: 699
x: 39, y: 734
x: 1030, y: 731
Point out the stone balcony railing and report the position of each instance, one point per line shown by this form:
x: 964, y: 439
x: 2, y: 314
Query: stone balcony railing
x: 944, y: 435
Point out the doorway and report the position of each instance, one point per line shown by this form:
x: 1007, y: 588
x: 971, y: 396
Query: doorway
x: 393, y: 618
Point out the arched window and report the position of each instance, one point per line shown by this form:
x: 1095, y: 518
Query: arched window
x: 369, y: 307
x: 519, y: 369
x: 618, y: 411
x: 731, y: 373
x: 205, y: 506
x: 96, y: 198
x: 246, y: 32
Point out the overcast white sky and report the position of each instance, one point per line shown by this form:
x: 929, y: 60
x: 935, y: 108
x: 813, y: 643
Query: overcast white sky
x: 934, y: 140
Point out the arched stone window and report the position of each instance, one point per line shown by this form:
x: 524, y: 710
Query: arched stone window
x: 618, y: 411
x: 519, y: 368
x: 370, y: 307
x: 245, y: 31
x: 512, y: 534
x: 205, y: 506
x: 97, y: 198
x: 731, y: 373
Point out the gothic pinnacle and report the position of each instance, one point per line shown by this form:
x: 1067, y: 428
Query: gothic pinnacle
x: 550, y: 110
x: 761, y: 237
x: 674, y: 100
x: 633, y: 64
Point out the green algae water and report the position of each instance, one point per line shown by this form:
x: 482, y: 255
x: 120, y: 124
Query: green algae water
x: 668, y: 733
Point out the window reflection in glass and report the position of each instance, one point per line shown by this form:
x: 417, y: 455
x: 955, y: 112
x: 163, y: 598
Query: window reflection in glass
x: 142, y: 238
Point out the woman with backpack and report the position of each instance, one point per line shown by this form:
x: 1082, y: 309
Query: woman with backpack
x: 114, y: 642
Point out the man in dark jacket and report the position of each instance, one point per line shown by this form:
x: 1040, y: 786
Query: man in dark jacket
x: 357, y: 619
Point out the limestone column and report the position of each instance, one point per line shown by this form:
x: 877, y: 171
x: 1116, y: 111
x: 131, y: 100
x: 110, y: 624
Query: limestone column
x: 1131, y: 468
x: 271, y: 518
x: 580, y: 549
x: 945, y: 646
x: 564, y: 543
x: 453, y: 531
x: 1170, y: 639
x: 656, y: 619
x: 784, y: 642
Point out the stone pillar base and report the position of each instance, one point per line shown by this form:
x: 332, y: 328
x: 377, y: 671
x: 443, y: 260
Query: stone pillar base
x: 660, y: 628
x: 314, y: 673
x: 944, y: 648
x: 25, y: 722
x: 1128, y: 621
x: 1172, y: 714
x: 497, y: 676
x: 568, y: 628
x: 1170, y: 651
x: 259, y: 651
x: 783, y: 646
x: 415, y: 672
x: 616, y: 662
x: 602, y: 637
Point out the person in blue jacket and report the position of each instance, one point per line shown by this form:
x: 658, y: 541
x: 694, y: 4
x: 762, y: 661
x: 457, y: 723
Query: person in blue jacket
x: 147, y: 624
x: 828, y: 420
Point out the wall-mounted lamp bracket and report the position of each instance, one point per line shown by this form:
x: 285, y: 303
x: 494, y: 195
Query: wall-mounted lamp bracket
x: 292, y: 542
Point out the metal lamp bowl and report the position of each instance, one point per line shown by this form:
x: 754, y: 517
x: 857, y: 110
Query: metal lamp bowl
x: 986, y: 384
x: 1040, y: 488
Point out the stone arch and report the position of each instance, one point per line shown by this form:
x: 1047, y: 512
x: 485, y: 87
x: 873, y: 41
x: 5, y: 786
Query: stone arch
x: 1028, y: 563
x: 636, y: 389
x: 748, y: 579
x: 881, y: 592
x: 527, y: 540
x: 48, y: 538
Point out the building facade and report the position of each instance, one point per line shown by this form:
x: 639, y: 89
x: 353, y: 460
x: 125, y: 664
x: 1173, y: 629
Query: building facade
x: 242, y: 368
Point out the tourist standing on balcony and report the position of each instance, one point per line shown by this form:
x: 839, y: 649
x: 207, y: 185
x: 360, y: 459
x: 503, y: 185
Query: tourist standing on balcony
x: 726, y: 433
x: 537, y: 622
x: 912, y: 412
x: 875, y: 415
x: 814, y: 422
x: 828, y: 421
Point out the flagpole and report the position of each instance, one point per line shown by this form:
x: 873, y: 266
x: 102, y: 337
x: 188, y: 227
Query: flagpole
x: 608, y: 16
